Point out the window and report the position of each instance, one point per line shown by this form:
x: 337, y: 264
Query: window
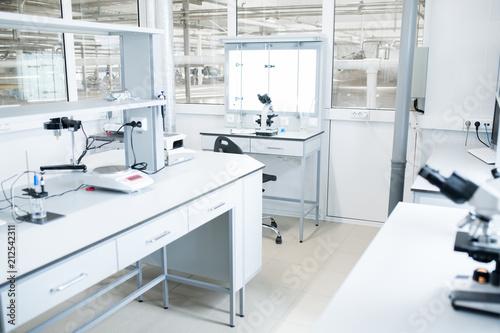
x: 198, y: 52
x: 366, y: 53
x: 122, y: 12
x: 31, y: 67
x: 48, y: 8
x: 288, y: 17
x: 98, y: 65
x: 33, y: 64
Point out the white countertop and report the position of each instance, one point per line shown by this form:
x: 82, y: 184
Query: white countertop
x: 402, y: 281
x: 288, y: 135
x: 93, y: 216
x: 452, y: 158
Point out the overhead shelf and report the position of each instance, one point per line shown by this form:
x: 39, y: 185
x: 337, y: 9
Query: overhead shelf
x: 70, y: 108
x: 50, y: 24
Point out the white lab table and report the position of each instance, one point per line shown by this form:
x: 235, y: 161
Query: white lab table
x: 295, y: 144
x: 103, y: 232
x: 448, y: 158
x: 402, y: 281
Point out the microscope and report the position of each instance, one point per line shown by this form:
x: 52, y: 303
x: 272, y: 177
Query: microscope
x: 481, y: 291
x: 265, y: 119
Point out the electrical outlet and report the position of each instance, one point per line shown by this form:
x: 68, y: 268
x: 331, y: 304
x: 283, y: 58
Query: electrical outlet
x: 144, y: 124
x: 472, y: 121
x: 360, y: 114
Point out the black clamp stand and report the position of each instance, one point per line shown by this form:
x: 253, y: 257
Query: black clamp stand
x: 56, y: 125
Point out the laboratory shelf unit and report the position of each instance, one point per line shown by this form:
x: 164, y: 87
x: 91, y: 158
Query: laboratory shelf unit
x: 8, y: 113
x: 139, y: 45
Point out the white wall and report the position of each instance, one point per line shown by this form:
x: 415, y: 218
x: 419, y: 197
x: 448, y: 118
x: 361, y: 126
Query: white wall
x: 464, y: 53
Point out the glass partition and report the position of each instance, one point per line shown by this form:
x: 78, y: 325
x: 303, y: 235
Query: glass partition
x: 198, y: 52
x: 47, y: 8
x: 98, y: 65
x: 31, y: 67
x: 257, y: 17
x: 116, y: 12
x: 366, y: 53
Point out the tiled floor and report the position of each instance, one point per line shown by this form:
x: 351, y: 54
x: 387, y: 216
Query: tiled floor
x: 296, y: 283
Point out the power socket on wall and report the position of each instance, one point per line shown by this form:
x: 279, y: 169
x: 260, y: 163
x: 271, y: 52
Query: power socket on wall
x: 471, y: 121
x: 360, y: 114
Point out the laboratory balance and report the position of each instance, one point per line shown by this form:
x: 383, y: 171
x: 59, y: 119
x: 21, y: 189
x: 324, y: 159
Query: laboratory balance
x: 117, y: 178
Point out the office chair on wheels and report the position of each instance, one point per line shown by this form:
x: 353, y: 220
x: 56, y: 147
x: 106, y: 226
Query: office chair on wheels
x: 225, y: 145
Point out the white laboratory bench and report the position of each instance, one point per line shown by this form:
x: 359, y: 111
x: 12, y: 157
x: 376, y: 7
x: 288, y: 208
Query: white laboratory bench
x: 448, y: 158
x: 102, y: 232
x: 295, y: 144
x: 402, y: 281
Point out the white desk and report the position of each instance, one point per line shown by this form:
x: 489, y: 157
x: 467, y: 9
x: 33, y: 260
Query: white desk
x: 402, y: 282
x: 294, y: 144
x: 447, y: 159
x: 104, y: 231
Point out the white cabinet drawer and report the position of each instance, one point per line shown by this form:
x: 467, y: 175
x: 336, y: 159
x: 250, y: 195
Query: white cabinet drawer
x: 277, y: 147
x: 43, y: 290
x: 149, y: 237
x: 212, y: 205
x: 207, y: 142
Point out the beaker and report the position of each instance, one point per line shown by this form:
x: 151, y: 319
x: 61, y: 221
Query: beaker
x: 304, y: 121
x: 38, y: 212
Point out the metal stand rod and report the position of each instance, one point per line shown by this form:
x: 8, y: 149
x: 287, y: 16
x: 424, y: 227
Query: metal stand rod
x: 85, y: 301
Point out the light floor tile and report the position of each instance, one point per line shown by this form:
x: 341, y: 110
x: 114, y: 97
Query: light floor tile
x: 355, y: 244
x: 283, y: 274
x: 268, y: 300
x: 365, y: 230
x: 326, y: 283
x: 341, y: 261
x: 306, y: 309
x: 177, y: 318
x: 132, y: 326
x: 218, y: 322
x: 289, y: 327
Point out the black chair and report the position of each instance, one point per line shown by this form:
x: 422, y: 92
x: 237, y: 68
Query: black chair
x: 226, y: 145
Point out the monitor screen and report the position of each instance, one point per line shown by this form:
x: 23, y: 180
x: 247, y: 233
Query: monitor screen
x: 495, y: 127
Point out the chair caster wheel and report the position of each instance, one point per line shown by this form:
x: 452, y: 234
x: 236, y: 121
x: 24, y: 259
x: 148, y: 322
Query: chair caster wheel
x: 278, y: 240
x: 140, y: 301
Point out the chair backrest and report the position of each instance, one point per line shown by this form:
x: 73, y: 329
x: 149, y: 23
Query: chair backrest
x: 225, y: 145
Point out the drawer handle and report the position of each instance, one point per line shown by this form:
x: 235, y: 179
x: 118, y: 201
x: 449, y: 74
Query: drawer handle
x: 70, y: 283
x: 277, y: 148
x: 215, y: 207
x: 155, y: 239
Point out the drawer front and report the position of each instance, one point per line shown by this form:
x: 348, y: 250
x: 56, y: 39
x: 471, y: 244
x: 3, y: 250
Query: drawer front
x: 46, y: 289
x: 146, y: 239
x: 212, y: 205
x: 277, y: 147
x: 207, y: 142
